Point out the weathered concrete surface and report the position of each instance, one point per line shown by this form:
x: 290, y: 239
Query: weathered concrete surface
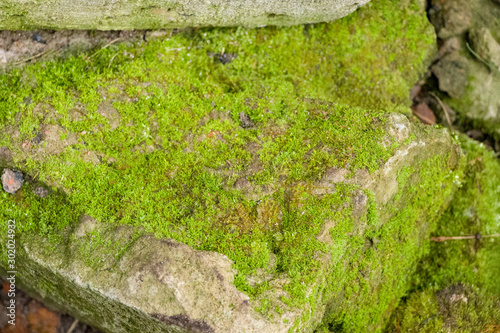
x: 155, y: 14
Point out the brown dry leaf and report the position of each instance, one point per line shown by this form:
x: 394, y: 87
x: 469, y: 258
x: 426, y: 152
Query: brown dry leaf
x: 424, y: 113
x: 6, y: 287
x: 43, y: 321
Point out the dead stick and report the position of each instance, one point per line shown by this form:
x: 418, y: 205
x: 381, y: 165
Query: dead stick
x: 444, y: 109
x: 105, y: 46
x: 73, y: 326
x: 478, y: 236
x: 33, y: 57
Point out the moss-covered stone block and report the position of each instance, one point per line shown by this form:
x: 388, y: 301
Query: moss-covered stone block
x: 229, y: 179
x: 157, y: 14
x: 327, y: 249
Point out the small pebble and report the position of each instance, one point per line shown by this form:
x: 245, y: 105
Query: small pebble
x: 41, y: 191
x: 39, y: 39
x: 12, y: 180
x: 476, y: 135
x: 245, y: 121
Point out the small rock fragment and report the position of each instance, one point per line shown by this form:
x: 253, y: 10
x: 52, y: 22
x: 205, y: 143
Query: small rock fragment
x: 41, y: 191
x: 39, y: 39
x: 450, y: 18
x: 451, y: 72
x: 12, y: 180
x: 223, y: 58
x: 5, y: 155
x: 424, y: 113
x: 87, y: 225
x: 245, y: 120
x: 475, y: 134
x: 449, y: 46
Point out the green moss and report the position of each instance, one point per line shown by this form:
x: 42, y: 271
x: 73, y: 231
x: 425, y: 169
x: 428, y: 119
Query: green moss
x: 380, y: 260
x: 456, y: 308
x: 150, y: 136
x: 461, y: 267
x: 403, y: 176
x: 368, y: 59
x: 475, y: 210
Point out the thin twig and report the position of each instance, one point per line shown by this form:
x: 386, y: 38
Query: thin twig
x: 105, y: 46
x: 73, y: 326
x: 444, y: 109
x: 35, y: 56
x: 175, y: 49
x: 478, y: 236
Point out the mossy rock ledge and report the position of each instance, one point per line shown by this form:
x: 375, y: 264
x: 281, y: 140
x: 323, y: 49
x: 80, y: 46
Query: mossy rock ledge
x: 229, y: 180
x: 320, y: 247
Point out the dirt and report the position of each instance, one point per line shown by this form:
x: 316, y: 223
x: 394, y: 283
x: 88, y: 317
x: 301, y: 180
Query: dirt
x: 33, y: 316
x: 22, y: 47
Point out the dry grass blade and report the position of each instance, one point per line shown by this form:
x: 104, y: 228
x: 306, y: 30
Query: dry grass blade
x: 105, y: 46
x: 112, y: 59
x: 444, y: 109
x: 490, y: 65
x: 46, y: 52
x: 73, y: 326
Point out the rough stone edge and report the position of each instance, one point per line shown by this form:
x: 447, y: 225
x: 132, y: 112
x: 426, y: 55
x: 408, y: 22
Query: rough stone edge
x: 155, y: 14
x: 31, y: 266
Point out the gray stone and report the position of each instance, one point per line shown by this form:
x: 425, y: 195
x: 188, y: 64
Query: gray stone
x: 468, y: 65
x: 12, y: 180
x: 154, y: 14
x: 450, y: 18
x: 41, y: 191
x: 87, y: 225
x: 245, y: 121
x: 451, y: 72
